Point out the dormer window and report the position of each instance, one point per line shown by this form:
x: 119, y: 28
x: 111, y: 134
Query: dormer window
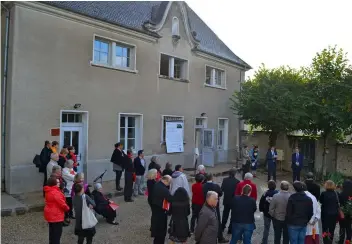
x: 175, y: 27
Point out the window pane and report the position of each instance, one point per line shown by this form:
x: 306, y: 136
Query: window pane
x: 78, y: 118
x: 131, y: 121
x: 104, y: 47
x: 177, y: 68
x: 64, y: 118
x: 103, y: 58
x: 131, y: 133
x: 118, y: 61
x: 124, y: 62
x: 131, y: 144
x: 118, y: 51
x: 208, y: 76
x: 67, y: 138
x: 123, y: 142
x: 96, y: 56
x: 122, y: 133
x: 96, y: 45
x: 207, y: 138
x: 75, y: 140
x: 220, y: 141
x: 164, y: 65
x: 218, y: 77
x: 122, y: 121
x: 124, y: 52
x: 71, y: 118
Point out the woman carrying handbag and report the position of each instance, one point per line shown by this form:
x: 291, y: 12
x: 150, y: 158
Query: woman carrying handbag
x: 85, y: 218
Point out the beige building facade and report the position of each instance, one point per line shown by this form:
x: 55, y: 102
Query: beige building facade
x: 84, y: 79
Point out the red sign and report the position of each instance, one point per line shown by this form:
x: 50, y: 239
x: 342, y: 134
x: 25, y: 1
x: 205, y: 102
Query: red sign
x: 55, y: 132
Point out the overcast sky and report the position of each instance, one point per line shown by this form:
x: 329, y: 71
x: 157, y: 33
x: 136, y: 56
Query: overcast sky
x: 277, y: 32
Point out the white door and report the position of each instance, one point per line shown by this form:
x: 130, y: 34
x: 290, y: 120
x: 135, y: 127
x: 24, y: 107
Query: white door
x: 130, y: 132
x: 72, y: 136
x: 222, y: 141
x: 208, y: 155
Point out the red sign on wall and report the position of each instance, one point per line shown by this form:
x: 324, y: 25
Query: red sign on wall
x: 55, y: 132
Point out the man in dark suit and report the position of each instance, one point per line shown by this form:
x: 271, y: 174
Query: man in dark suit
x: 271, y: 157
x: 118, y: 159
x: 296, y: 165
x: 228, y: 186
x: 211, y: 186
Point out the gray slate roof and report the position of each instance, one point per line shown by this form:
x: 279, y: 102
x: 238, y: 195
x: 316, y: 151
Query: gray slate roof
x: 133, y: 15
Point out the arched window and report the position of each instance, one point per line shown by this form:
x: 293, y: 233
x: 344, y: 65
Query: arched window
x: 175, y: 26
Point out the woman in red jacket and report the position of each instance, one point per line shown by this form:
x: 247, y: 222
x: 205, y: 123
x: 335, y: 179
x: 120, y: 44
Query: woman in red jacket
x: 54, y: 210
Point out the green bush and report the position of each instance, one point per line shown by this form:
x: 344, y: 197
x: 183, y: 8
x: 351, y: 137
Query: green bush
x: 336, y: 177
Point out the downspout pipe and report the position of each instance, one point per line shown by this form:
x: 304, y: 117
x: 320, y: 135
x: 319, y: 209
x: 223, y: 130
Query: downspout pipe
x: 3, y: 95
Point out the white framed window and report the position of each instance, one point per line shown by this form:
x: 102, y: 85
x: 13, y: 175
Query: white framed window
x: 215, y: 77
x: 175, y: 27
x: 130, y: 131
x: 114, y: 54
x: 71, y: 118
x: 169, y: 118
x: 173, y: 67
x: 201, y: 122
x: 223, y: 131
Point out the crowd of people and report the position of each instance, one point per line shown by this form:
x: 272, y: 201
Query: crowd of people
x: 295, y: 216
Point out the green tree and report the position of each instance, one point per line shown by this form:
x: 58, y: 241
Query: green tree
x: 272, y: 100
x: 330, y: 88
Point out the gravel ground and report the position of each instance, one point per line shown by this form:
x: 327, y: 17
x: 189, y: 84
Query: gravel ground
x: 134, y: 225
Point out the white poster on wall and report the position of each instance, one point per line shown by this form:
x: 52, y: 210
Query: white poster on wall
x: 174, y: 136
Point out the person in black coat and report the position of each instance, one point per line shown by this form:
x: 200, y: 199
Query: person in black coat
x: 264, y: 204
x: 180, y: 210
x: 168, y: 169
x: 103, y: 205
x: 312, y: 187
x: 161, y: 196
x: 118, y: 159
x: 299, y: 211
x: 242, y: 216
x: 129, y: 170
x: 45, y: 159
x: 228, y: 186
x: 211, y: 186
x: 345, y: 224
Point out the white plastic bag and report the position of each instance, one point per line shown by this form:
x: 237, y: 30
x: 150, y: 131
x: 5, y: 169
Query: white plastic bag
x: 88, y: 218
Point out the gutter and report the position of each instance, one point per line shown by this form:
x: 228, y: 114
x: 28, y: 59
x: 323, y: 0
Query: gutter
x: 3, y: 95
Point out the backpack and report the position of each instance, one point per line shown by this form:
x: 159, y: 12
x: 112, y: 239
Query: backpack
x: 36, y: 161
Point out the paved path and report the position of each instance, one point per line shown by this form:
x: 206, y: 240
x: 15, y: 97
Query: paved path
x: 134, y: 225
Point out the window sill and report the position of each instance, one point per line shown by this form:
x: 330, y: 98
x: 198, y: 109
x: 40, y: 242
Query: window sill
x: 114, y: 68
x: 216, y: 87
x: 174, y: 79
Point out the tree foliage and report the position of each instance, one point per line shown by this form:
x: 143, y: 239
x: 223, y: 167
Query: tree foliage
x: 314, y: 99
x: 271, y: 100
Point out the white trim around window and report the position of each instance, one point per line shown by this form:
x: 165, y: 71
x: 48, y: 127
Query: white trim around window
x: 215, y: 77
x: 162, y: 135
x: 138, y: 130
x: 113, y: 54
x: 170, y: 72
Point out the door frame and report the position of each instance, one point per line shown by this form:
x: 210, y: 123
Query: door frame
x: 209, y: 152
x: 85, y: 128
x: 225, y: 145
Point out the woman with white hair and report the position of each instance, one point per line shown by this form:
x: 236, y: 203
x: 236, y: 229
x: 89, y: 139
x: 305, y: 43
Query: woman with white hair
x: 103, y: 205
x: 68, y: 174
x: 201, y: 171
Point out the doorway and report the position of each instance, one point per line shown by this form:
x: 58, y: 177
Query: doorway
x: 73, y: 132
x: 222, y: 140
x: 307, y: 147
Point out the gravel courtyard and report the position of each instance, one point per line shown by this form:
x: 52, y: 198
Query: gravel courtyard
x: 134, y: 225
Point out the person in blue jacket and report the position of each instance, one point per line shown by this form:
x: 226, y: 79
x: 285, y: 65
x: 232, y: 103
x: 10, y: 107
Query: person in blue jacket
x: 296, y: 165
x: 254, y: 154
x: 271, y: 157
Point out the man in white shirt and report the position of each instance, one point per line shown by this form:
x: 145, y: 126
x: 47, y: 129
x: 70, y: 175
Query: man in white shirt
x: 54, y: 157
